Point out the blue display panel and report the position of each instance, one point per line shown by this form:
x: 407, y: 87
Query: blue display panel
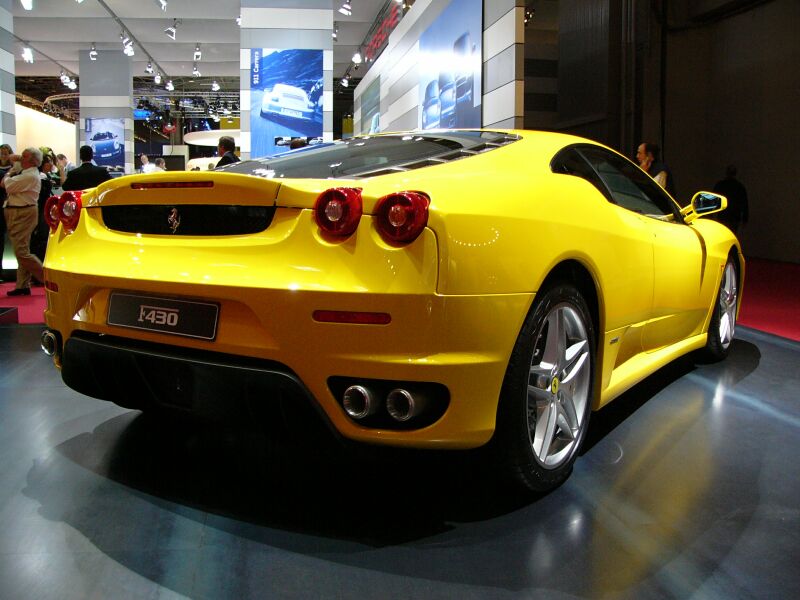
x: 285, y: 97
x: 450, y: 67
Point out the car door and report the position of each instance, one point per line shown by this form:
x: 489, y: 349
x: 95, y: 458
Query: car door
x: 624, y: 263
x: 678, y: 252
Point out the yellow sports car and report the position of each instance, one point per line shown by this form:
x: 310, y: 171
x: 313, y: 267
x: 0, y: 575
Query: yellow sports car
x: 436, y: 289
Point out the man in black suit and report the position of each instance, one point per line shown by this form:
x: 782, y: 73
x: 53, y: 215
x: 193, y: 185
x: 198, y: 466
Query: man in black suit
x: 225, y: 148
x: 87, y: 175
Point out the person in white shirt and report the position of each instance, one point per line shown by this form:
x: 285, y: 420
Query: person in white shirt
x: 147, y: 166
x: 23, y: 184
x: 161, y: 165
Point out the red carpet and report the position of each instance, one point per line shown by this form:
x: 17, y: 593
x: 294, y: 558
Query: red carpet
x: 21, y: 309
x: 771, y: 300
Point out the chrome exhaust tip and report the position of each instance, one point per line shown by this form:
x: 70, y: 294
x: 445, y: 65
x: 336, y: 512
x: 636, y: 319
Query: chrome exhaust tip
x: 49, y: 343
x: 404, y: 405
x: 359, y: 402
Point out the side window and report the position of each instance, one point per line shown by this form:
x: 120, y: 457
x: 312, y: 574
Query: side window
x: 569, y: 162
x: 628, y: 185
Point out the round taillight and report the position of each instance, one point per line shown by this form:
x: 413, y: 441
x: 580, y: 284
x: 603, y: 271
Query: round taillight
x: 69, y: 210
x: 51, y: 215
x: 401, y: 217
x: 338, y: 211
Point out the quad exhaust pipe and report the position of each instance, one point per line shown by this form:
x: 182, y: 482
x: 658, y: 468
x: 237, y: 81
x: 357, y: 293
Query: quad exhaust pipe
x: 402, y: 405
x: 49, y: 343
x: 359, y: 402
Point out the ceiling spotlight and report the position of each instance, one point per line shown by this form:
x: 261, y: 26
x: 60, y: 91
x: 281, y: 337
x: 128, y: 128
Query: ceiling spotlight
x: 64, y: 78
x: 27, y: 4
x: 72, y: 85
x: 214, y: 86
x: 78, y: 1
x: 335, y: 32
x: 346, y: 9
x: 157, y: 78
x: 149, y: 68
x: 93, y: 52
x: 357, y: 57
x: 162, y: 4
x: 239, y: 20
x: 197, y: 54
x: 27, y: 55
x: 171, y: 31
x: 346, y: 81
x: 127, y: 43
x: 195, y: 71
x: 169, y: 86
x: 530, y: 13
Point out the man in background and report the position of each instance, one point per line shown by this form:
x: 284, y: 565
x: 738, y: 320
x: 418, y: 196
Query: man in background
x: 22, y: 184
x: 147, y: 166
x: 737, y: 212
x: 648, y: 157
x: 160, y: 165
x: 225, y: 149
x: 87, y: 175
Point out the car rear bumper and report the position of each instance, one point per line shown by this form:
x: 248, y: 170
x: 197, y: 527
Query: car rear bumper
x: 269, y: 346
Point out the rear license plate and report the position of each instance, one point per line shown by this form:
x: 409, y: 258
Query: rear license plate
x: 291, y: 113
x: 165, y: 315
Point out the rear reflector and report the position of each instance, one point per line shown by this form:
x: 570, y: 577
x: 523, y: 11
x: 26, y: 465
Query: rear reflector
x: 155, y: 185
x: 51, y: 285
x: 346, y: 316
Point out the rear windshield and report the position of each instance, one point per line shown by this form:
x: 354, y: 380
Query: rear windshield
x: 373, y: 155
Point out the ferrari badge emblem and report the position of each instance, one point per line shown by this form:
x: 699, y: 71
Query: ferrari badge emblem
x: 174, y: 220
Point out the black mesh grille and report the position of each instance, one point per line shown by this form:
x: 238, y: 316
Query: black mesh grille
x: 188, y: 219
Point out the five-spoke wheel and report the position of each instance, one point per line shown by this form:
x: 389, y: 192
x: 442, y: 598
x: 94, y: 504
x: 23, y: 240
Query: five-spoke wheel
x: 547, y: 392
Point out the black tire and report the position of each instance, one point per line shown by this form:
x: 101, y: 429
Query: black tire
x: 534, y: 403
x: 722, y: 326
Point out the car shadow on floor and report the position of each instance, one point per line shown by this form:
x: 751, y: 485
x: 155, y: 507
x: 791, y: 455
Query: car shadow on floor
x: 313, y: 485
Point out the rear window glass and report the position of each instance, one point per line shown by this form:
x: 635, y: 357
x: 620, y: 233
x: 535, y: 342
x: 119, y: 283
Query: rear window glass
x: 373, y: 155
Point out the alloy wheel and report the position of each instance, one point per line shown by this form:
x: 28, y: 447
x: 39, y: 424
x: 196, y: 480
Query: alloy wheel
x: 728, y: 300
x: 558, y: 386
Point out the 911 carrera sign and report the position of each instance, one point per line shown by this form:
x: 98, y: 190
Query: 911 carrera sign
x: 381, y: 35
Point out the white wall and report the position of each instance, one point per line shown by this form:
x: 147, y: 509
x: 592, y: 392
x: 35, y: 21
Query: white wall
x: 38, y: 129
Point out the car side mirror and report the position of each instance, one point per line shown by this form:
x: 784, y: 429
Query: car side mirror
x: 703, y: 203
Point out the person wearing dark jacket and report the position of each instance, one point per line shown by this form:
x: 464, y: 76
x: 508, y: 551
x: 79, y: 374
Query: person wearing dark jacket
x: 225, y: 148
x: 648, y: 157
x: 87, y: 175
x: 737, y: 212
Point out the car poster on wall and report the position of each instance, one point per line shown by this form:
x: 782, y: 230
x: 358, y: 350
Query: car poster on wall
x: 371, y: 107
x: 107, y: 139
x: 450, y: 67
x: 285, y: 98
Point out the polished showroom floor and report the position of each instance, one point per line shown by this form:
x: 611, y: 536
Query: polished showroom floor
x: 688, y: 487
